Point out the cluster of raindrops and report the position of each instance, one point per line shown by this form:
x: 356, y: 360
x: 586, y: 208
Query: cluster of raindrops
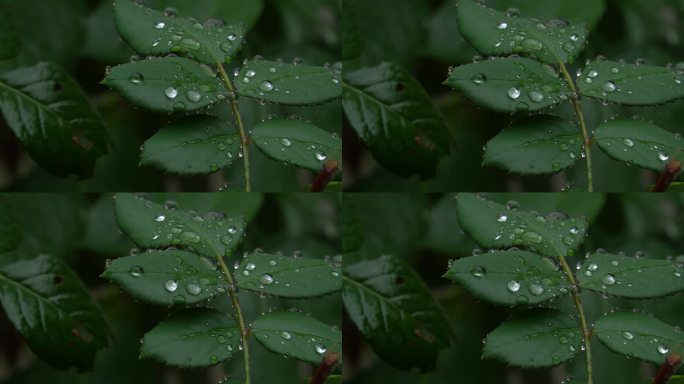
x: 628, y: 337
x: 627, y: 144
x: 316, y: 151
x: 317, y: 344
x: 533, y: 230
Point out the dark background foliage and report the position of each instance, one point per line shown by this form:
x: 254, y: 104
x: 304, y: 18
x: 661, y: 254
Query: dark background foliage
x: 424, y: 230
x: 423, y: 36
x: 82, y: 230
x: 80, y: 35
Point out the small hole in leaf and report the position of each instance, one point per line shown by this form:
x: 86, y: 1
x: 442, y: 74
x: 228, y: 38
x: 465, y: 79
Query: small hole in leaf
x: 400, y: 87
x: 399, y: 280
x: 57, y: 87
x: 58, y: 279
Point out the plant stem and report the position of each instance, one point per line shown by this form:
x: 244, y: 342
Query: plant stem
x: 583, y: 126
x: 241, y: 319
x: 582, y: 317
x: 241, y: 127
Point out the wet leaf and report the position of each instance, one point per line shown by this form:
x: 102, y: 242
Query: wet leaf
x: 510, y: 84
x: 289, y: 84
x: 496, y: 33
x: 510, y: 278
x: 540, y: 337
x: 194, y: 338
x: 298, y: 143
x: 233, y: 11
x: 287, y: 276
x: 51, y: 308
x: 154, y: 226
x: 498, y: 226
x: 630, y: 277
x: 396, y: 119
x: 391, y: 305
x: 640, y: 143
x: 631, y: 84
x: 297, y: 335
x: 53, y: 119
x: 195, y: 145
x: 639, y: 335
x: 170, y: 84
x: 536, y: 145
x: 167, y: 277
x: 153, y: 33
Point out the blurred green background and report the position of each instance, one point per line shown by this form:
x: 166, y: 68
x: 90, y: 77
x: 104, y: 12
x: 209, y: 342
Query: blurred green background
x: 423, y: 36
x: 82, y: 230
x: 80, y: 35
x: 423, y: 229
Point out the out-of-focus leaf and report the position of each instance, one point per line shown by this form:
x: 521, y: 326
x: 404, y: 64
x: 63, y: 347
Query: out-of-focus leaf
x: 390, y: 304
x: 537, y: 145
x: 153, y: 225
x: 510, y: 84
x: 102, y: 234
x: 639, y: 335
x: 9, y: 39
x: 510, y: 278
x: 232, y: 11
x: 297, y: 335
x: 540, y: 337
x: 640, y: 143
x: 575, y: 11
x: 51, y: 308
x: 289, y: 84
x: 10, y: 236
x: 500, y: 226
x: 102, y: 41
x: 167, y: 277
x: 394, y: 116
x: 52, y: 117
x: 198, y: 144
x: 297, y: 143
x: 193, y: 338
x: 170, y: 84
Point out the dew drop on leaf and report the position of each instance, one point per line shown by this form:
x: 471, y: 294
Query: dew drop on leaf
x: 320, y: 349
x: 190, y: 237
x: 514, y: 93
x: 266, y: 279
x: 320, y: 155
x: 286, y: 335
x: 478, y: 272
x: 136, y: 78
x: 266, y: 86
x: 513, y: 286
x: 171, y: 92
x: 628, y: 335
x: 171, y: 286
x: 609, y: 86
x: 608, y: 279
x: 136, y: 271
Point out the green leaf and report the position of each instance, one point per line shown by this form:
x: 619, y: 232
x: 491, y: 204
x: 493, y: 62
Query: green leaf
x: 102, y: 234
x: 510, y: 278
x: 396, y: 119
x: 391, y: 305
x: 101, y: 41
x: 639, y: 142
x: 298, y: 143
x: 630, y: 277
x: 499, y: 226
x: 167, y: 277
x: 540, y: 337
x: 639, y: 335
x: 151, y: 225
x: 510, y: 84
x: 168, y: 84
x: 10, y: 236
x: 153, y: 33
x: 193, y: 145
x: 194, y: 338
x: 576, y: 11
x: 233, y: 11
x: 51, y: 308
x: 53, y: 119
x: 536, y: 145
x: 496, y: 33
x: 289, y: 84
x: 9, y: 39
x: 297, y: 335
x: 630, y: 84
x: 287, y: 276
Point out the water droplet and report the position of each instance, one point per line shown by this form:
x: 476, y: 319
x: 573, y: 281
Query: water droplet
x: 213, y: 359
x: 628, y: 335
x: 592, y: 267
x: 574, y: 37
x: 320, y: 156
x: 286, y: 335
x: 512, y: 205
x: 266, y: 279
x: 478, y: 78
x: 250, y: 266
x: 574, y: 230
x: 663, y: 349
x: 232, y: 230
x: 663, y: 156
x: 232, y: 37
x: 512, y: 12
x: 170, y: 12
x: 532, y: 237
x: 478, y: 272
x: 226, y: 47
x: 190, y: 44
x: 501, y: 218
x: 514, y: 93
x: 593, y: 73
x: 608, y: 279
x: 136, y: 78
x: 533, y: 44
x: 628, y: 142
x: 160, y: 25
x: 171, y: 286
x: 536, y: 96
x: 159, y: 218
x: 171, y: 92
x: 502, y: 25
x: 266, y: 86
x: 135, y: 271
x: 194, y: 289
x: 513, y: 286
x: 250, y: 73
x: 193, y: 96
x: 190, y: 237
x: 568, y: 47
x: 285, y: 142
x: 556, y: 167
x: 536, y: 289
x: 320, y: 349
x: 609, y: 86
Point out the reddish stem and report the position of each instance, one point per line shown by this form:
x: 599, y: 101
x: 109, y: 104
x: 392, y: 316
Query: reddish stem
x: 669, y: 175
x: 324, y: 369
x: 668, y: 368
x: 324, y: 176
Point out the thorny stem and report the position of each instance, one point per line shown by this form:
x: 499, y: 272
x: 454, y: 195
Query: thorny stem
x: 244, y: 332
x: 241, y: 127
x: 324, y: 368
x: 583, y: 126
x: 582, y: 317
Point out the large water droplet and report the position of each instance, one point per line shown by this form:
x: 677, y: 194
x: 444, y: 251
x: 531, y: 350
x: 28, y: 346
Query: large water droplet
x: 514, y: 93
x: 513, y: 286
x: 501, y: 218
x: 478, y: 272
x: 194, y: 289
x: 608, y: 279
x: 171, y: 92
x: 171, y: 286
x: 609, y: 86
x: 136, y: 78
x: 159, y: 218
x: 532, y: 237
x: 478, y: 78
x: 266, y: 279
x: 266, y: 86
x: 159, y: 25
x: 533, y: 44
x: 628, y: 335
x: 286, y: 335
x: 190, y: 237
x: 135, y: 271
x: 320, y: 349
x: 536, y: 96
x: 663, y: 349
x: 190, y: 44
x: 502, y: 25
x: 628, y: 142
x: 663, y: 156
x: 193, y: 96
x: 536, y: 289
x: 320, y: 155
